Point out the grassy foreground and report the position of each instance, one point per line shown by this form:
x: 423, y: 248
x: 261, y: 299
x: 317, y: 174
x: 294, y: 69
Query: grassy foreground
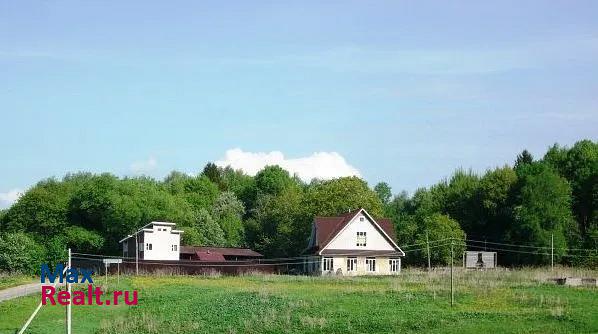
x: 414, y: 302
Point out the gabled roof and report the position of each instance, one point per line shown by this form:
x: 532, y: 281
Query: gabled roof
x: 326, y: 228
x: 225, y: 251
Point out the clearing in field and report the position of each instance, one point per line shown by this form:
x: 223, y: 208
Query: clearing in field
x: 414, y: 302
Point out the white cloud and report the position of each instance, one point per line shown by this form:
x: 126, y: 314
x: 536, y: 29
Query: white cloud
x: 145, y: 166
x: 321, y: 165
x: 8, y: 198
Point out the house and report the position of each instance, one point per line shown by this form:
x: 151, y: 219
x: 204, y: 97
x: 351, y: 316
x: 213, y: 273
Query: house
x: 353, y: 243
x: 155, y: 241
x: 479, y: 259
x: 218, y: 254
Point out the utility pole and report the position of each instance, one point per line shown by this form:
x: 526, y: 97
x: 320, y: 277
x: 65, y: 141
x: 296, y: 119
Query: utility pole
x: 136, y: 256
x: 69, y: 305
x: 452, y: 285
x: 552, y: 251
x: 428, y: 247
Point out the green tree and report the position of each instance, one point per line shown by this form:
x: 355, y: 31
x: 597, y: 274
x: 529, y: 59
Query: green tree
x: 462, y: 201
x: 400, y: 210
x: 272, y: 180
x: 524, y: 158
x: 384, y: 192
x: 581, y: 169
x: 279, y: 226
x: 41, y: 211
x: 228, y: 211
x: 20, y: 254
x: 243, y: 186
x: 83, y: 240
x: 337, y: 196
x: 496, y: 195
x: 213, y: 173
x: 543, y: 210
x: 445, y: 230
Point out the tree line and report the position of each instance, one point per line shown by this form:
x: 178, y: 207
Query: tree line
x: 529, y: 203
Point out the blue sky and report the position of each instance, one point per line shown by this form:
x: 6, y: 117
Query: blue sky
x: 400, y: 91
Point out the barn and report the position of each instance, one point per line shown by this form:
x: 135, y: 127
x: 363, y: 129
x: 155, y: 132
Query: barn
x: 218, y: 254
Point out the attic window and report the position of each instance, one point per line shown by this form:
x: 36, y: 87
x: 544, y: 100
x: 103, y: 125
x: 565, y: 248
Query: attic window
x: 361, y: 239
x: 361, y: 219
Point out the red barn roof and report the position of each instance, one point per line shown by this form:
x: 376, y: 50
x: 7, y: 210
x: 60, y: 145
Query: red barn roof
x: 209, y: 256
x: 225, y: 251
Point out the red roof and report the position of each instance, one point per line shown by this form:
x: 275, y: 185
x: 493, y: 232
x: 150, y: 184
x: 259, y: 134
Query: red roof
x: 210, y: 257
x: 328, y: 227
x: 224, y: 251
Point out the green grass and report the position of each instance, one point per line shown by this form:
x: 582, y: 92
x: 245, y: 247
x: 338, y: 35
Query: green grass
x: 8, y: 281
x: 414, y: 302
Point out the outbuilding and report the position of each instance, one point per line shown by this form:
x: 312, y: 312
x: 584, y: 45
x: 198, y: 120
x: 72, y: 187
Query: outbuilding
x: 155, y: 241
x: 479, y: 259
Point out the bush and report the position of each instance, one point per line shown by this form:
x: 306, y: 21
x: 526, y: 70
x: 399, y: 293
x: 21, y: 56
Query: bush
x: 20, y: 254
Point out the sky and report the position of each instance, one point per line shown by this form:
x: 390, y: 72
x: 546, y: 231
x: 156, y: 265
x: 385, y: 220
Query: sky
x: 397, y: 91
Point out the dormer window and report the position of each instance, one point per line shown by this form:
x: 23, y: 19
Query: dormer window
x: 361, y: 239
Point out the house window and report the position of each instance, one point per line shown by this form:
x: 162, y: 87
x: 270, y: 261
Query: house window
x: 174, y: 248
x: 395, y: 265
x: 361, y: 219
x: 361, y: 239
x: 148, y: 246
x: 370, y: 264
x: 328, y: 264
x: 351, y: 264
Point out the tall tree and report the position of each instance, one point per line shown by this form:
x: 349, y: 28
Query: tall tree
x: 384, y: 192
x: 272, y: 180
x: 524, y: 158
x: 333, y: 197
x: 213, y: 173
x: 543, y: 211
x: 228, y: 211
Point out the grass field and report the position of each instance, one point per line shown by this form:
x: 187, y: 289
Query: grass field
x: 414, y: 302
x: 8, y: 281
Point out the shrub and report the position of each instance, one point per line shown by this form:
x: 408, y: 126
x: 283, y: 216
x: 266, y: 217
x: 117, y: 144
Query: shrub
x: 20, y: 254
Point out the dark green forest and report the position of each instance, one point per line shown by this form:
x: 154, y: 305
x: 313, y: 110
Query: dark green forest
x: 527, y: 203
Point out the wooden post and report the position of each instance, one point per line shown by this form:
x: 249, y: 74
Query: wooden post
x: 136, y: 256
x: 106, y: 274
x: 552, y: 251
x: 428, y: 247
x: 452, y: 285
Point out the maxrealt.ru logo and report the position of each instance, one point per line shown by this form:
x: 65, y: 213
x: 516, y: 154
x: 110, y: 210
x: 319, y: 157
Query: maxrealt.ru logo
x: 92, y: 296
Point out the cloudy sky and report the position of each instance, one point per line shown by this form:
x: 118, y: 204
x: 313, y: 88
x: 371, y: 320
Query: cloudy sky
x: 400, y: 91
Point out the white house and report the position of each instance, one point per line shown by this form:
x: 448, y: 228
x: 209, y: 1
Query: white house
x: 353, y: 244
x: 155, y: 241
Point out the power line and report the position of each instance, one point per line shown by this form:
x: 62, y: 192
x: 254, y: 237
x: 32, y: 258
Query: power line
x: 527, y: 252
x: 529, y: 246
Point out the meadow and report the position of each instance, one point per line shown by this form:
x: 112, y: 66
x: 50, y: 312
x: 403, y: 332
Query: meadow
x: 502, y: 301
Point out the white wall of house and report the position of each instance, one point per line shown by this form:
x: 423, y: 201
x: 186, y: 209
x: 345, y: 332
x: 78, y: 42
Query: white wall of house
x: 340, y: 265
x: 165, y: 245
x: 347, y: 238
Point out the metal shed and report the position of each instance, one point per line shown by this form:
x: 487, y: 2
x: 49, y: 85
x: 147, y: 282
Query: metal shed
x: 479, y: 259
